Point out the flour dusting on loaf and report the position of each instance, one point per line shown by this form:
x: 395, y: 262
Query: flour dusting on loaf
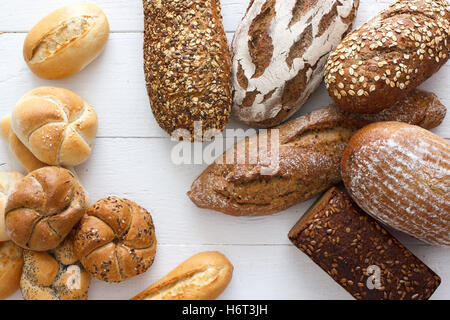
x: 279, y: 54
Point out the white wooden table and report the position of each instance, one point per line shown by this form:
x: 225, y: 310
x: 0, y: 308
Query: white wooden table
x: 131, y: 159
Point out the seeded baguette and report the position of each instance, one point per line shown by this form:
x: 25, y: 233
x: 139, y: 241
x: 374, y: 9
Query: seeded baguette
x: 187, y: 65
x: 279, y: 53
x: 310, y: 152
x: 202, y: 277
x: 351, y: 246
x: 382, y: 61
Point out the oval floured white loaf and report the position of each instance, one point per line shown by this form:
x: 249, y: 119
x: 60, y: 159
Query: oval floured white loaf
x: 279, y: 55
x: 400, y: 174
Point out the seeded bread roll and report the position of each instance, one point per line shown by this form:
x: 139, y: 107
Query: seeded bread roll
x: 359, y: 254
x: 8, y: 181
x: 382, y: 61
x: 116, y: 240
x: 66, y: 41
x: 202, y: 277
x: 279, y: 53
x: 306, y: 159
x: 11, y: 262
x: 187, y: 66
x: 400, y: 174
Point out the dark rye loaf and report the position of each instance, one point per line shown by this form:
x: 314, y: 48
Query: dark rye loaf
x: 279, y: 54
x: 310, y: 152
x: 382, y: 61
x: 187, y: 65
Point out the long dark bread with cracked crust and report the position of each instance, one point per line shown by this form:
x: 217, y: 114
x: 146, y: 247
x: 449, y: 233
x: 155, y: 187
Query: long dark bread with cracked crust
x: 310, y: 152
x: 382, y: 61
x: 187, y: 65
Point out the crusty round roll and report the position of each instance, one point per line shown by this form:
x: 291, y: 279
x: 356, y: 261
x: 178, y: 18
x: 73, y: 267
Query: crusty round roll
x: 8, y: 180
x: 116, y: 240
x: 400, y: 174
x: 56, y: 125
x: 66, y: 41
x: 11, y: 261
x: 201, y: 277
x: 44, y: 207
x: 54, y: 275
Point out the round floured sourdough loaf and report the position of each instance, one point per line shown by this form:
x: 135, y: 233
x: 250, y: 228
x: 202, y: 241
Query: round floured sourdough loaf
x: 386, y: 58
x: 279, y: 54
x: 8, y: 181
x: 400, y: 174
x: 44, y: 207
x: 116, y: 240
x: 56, y: 125
x: 54, y: 275
x: 11, y: 261
x: 66, y: 41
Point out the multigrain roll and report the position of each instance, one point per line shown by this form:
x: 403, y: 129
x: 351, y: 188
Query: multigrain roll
x: 400, y: 174
x: 11, y: 262
x: 8, y: 181
x: 202, y: 277
x: 187, y: 66
x: 56, y: 125
x: 382, y: 61
x: 116, y: 240
x: 66, y: 41
x: 44, y: 207
x: 279, y: 53
x: 253, y: 179
x: 54, y: 275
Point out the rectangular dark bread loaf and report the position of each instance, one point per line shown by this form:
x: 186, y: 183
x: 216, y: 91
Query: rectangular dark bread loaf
x: 359, y: 254
x: 187, y: 65
x: 308, y: 163
x: 279, y: 54
x: 379, y: 63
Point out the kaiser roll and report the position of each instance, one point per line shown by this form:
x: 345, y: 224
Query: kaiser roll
x: 116, y: 240
x: 7, y: 182
x: 44, y: 208
x: 11, y: 261
x: 56, y: 125
x: 54, y: 275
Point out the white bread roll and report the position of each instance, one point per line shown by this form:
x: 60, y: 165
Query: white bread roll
x: 400, y: 174
x: 66, y: 41
x: 201, y: 277
x: 56, y: 125
x: 11, y: 262
x: 8, y: 180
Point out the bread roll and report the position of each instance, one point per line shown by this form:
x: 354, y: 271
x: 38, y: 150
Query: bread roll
x: 56, y: 125
x: 279, y: 53
x: 252, y: 179
x: 44, y: 207
x: 116, y: 240
x: 54, y: 275
x: 382, y: 61
x: 201, y: 277
x: 11, y: 261
x: 23, y: 155
x: 187, y: 66
x: 66, y: 41
x: 400, y: 174
x: 8, y: 181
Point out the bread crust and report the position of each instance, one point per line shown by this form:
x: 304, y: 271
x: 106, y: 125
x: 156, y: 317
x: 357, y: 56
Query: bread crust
x: 309, y: 158
x: 202, y: 277
x: 116, y: 240
x: 382, y: 61
x: 66, y: 41
x: 11, y: 262
x: 279, y: 53
x: 187, y: 66
x: 400, y: 174
x: 8, y: 181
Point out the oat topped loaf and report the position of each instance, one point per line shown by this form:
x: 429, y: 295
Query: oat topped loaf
x: 380, y: 62
x: 187, y: 65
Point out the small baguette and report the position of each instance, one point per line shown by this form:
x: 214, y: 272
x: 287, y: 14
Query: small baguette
x: 310, y: 152
x: 201, y: 277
